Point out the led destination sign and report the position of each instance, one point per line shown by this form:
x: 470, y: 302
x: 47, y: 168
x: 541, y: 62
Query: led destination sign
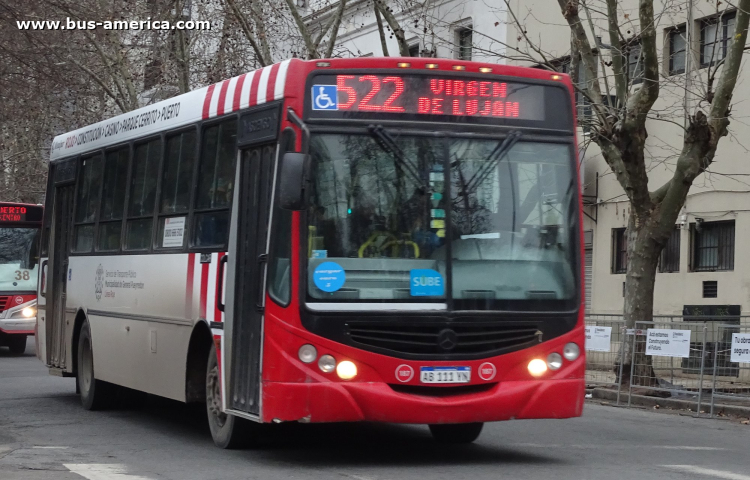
x: 13, y: 213
x: 471, y: 97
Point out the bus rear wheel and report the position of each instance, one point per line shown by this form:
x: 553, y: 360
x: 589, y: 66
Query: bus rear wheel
x: 228, y: 431
x: 456, y: 432
x: 95, y: 394
x: 17, y: 344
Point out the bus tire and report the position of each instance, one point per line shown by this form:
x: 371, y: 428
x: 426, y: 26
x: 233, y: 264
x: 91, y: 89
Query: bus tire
x: 95, y: 394
x: 456, y: 432
x: 17, y: 344
x: 228, y: 431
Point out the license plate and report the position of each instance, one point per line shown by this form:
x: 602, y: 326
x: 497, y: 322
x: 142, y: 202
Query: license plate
x: 445, y: 374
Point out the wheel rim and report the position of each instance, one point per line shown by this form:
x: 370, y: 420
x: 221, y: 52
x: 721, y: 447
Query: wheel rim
x: 213, y: 396
x: 87, y: 367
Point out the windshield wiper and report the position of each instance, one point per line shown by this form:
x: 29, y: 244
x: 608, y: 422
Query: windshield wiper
x: 386, y: 141
x: 497, y: 154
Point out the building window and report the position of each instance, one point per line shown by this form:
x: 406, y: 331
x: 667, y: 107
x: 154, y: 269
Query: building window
x: 677, y: 45
x: 713, y: 246
x: 464, y: 40
x: 619, y: 251
x: 635, y: 62
x: 669, y: 261
x: 414, y: 50
x: 585, y: 113
x: 716, y: 36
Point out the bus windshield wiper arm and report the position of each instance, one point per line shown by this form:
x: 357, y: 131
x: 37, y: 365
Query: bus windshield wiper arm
x: 497, y: 154
x: 386, y: 142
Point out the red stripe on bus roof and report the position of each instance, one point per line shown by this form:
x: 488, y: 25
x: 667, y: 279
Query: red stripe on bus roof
x: 238, y: 92
x: 207, y: 101
x: 272, y: 82
x: 222, y: 97
x: 254, y: 88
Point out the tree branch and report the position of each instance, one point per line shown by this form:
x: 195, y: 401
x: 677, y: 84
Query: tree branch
x: 245, y: 26
x: 403, y: 47
x: 381, y: 30
x: 641, y: 102
x: 621, y: 86
x: 335, y: 29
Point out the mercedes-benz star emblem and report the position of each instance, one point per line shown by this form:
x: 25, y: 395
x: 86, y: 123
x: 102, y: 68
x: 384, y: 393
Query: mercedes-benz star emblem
x: 447, y: 339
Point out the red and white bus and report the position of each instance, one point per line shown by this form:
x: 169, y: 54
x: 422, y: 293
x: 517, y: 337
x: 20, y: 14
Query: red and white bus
x: 385, y: 239
x: 19, y: 256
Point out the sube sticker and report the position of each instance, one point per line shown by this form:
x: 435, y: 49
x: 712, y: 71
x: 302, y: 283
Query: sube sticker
x: 425, y: 282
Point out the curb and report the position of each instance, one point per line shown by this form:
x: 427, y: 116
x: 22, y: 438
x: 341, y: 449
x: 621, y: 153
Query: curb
x: 677, y: 404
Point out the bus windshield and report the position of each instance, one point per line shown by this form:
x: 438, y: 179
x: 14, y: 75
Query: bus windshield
x: 476, y: 223
x: 18, y: 259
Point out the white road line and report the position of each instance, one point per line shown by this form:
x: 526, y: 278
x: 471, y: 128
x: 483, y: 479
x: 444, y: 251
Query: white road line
x: 709, y: 472
x: 102, y: 471
x: 590, y: 447
x: 51, y: 448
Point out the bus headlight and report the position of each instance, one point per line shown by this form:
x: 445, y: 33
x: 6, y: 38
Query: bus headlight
x: 346, y: 370
x: 307, y: 353
x: 537, y: 367
x: 571, y: 351
x: 554, y: 361
x: 327, y: 364
x: 28, y: 312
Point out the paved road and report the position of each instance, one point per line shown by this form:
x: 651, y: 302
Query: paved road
x: 45, y: 435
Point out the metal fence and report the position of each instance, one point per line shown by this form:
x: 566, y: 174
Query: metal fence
x: 699, y: 359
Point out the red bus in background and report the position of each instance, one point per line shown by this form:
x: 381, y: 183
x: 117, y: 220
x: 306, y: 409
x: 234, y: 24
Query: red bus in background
x: 20, y: 225
x: 370, y: 239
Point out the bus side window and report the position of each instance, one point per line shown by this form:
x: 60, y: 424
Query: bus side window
x: 142, y: 195
x: 216, y: 172
x: 87, y: 200
x: 279, y: 268
x: 113, y: 199
x: 177, y: 180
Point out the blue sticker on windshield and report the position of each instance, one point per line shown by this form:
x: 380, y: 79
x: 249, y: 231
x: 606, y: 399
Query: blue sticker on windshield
x: 329, y: 276
x: 319, y: 254
x: 425, y: 282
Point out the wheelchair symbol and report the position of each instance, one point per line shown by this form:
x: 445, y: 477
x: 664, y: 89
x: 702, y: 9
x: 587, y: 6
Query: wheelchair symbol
x: 324, y: 97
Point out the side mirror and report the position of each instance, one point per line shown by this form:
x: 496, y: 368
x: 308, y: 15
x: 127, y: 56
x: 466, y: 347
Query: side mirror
x: 292, y: 182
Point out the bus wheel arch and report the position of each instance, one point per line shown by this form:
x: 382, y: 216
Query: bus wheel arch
x: 201, y: 341
x: 77, y: 326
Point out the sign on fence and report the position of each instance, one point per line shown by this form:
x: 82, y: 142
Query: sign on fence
x: 598, y: 338
x: 741, y: 347
x: 668, y: 343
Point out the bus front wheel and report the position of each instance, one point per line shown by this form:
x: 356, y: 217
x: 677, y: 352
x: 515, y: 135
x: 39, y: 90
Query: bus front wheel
x: 228, y: 431
x: 95, y: 394
x: 456, y: 432
x: 17, y: 344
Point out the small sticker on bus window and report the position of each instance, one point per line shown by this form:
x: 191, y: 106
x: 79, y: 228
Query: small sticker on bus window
x: 438, y: 213
x: 425, y: 282
x: 329, y: 276
x: 319, y: 254
x: 174, y: 232
x: 437, y: 224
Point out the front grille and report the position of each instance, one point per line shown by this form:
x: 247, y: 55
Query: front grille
x: 4, y: 303
x: 447, y: 391
x: 443, y: 338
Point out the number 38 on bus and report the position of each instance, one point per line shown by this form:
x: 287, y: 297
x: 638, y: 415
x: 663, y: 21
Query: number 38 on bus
x: 344, y: 240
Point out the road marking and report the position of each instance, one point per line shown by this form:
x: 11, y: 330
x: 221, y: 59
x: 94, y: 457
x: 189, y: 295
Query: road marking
x: 589, y: 447
x: 102, y: 471
x: 709, y: 472
x: 51, y: 448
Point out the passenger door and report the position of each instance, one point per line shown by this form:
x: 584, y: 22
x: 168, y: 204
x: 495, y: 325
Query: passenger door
x: 57, y: 275
x: 246, y: 277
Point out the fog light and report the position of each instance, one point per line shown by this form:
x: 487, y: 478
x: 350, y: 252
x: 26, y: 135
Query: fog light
x: 537, y: 367
x: 327, y: 363
x: 554, y: 361
x: 571, y: 351
x: 307, y: 353
x: 346, y: 370
x: 28, y: 312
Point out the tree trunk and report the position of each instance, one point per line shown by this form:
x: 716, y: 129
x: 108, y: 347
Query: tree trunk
x: 643, y: 249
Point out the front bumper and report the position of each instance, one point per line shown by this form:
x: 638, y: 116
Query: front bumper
x: 17, y: 326
x: 379, y: 402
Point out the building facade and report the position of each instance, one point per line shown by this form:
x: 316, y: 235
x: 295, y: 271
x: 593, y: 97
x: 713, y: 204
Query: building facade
x: 702, y: 270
